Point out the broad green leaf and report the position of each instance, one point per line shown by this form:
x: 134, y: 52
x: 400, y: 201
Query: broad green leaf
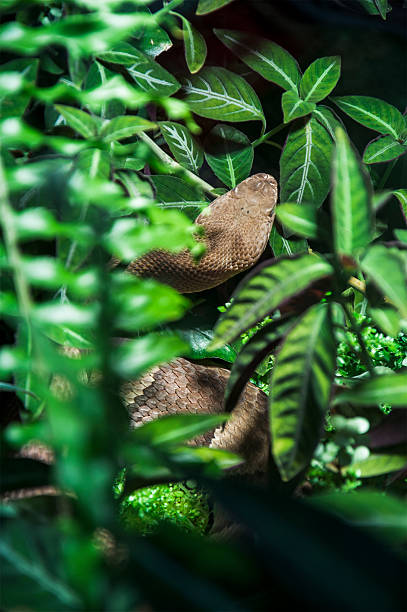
x: 320, y: 78
x: 153, y: 41
x: 293, y: 107
x: 302, y: 219
x: 124, y: 127
x: 177, y: 428
x: 94, y: 163
x: 265, y: 57
x: 375, y: 465
x: 83, y: 123
x: 184, y: 147
x: 251, y: 355
x: 383, y: 149
x: 300, y: 390
x: 149, y: 76
x: 229, y: 153
x: 285, y: 246
x: 270, y: 285
x: 401, y: 195
x: 386, y: 269
x: 400, y: 234
x: 217, y: 93
x: 375, y: 114
x: 351, y: 199
x: 194, y: 46
x: 208, y: 6
x: 134, y: 357
x: 370, y: 6
x: 328, y: 119
x: 387, y: 320
x: 198, y: 340
x: 97, y: 76
x: 173, y: 192
x: 14, y: 103
x: 305, y: 163
x: 387, y: 388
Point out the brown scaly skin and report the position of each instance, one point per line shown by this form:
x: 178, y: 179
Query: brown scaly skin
x: 236, y: 229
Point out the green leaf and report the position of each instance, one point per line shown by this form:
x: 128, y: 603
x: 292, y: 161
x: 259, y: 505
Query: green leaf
x: 320, y: 78
x: 302, y: 219
x: 173, y: 192
x: 217, y: 93
x: 375, y: 465
x: 208, y: 6
x: 194, y: 46
x: 199, y: 339
x: 386, y: 269
x: 149, y: 76
x: 265, y: 57
x: 94, y: 163
x: 326, y: 117
x: 251, y: 355
x: 134, y: 357
x: 401, y: 195
x: 184, y: 147
x: 300, y: 390
x: 124, y: 127
x: 270, y: 285
x: 375, y: 114
x: 153, y: 41
x: 382, y: 7
x: 387, y: 320
x: 229, y: 153
x: 284, y: 246
x: 97, y: 76
x: 387, y: 388
x: 305, y: 163
x: 83, y: 123
x: 401, y: 235
x: 351, y: 200
x: 174, y: 429
x: 293, y: 107
x: 383, y: 149
x: 14, y: 103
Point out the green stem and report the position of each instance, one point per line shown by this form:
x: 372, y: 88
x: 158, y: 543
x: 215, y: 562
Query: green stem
x: 17, y: 265
x: 167, y: 9
x: 175, y: 165
x: 365, y: 357
x: 386, y: 174
x: 267, y: 135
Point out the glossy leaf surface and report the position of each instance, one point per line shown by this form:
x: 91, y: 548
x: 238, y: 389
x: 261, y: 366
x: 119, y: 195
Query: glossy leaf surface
x: 386, y: 269
x: 229, y: 154
x: 320, y: 78
x: 184, y: 147
x: 374, y: 113
x: 294, y: 107
x: 383, y: 149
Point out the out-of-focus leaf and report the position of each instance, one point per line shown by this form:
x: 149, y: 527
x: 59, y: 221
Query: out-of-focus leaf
x: 265, y: 57
x: 217, y: 93
x: 351, y: 199
x: 375, y: 465
x: 208, y: 6
x: 387, y: 319
x: 185, y: 148
x: 320, y: 78
x: 173, y: 192
x: 374, y: 113
x: 401, y: 195
x: 15, y: 103
x: 383, y: 149
x: 385, y: 268
x: 124, y: 127
x: 302, y: 219
x: 134, y: 357
x: 300, y: 389
x: 94, y: 163
x: 293, y: 107
x: 148, y: 74
x: 83, y: 123
x: 387, y: 388
x: 229, y: 153
x: 96, y: 76
x: 268, y: 286
x: 174, y: 429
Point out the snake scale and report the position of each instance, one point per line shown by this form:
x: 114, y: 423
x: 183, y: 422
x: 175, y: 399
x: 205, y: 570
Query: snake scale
x: 236, y: 230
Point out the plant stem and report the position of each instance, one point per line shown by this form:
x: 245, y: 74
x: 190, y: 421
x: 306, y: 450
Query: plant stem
x: 267, y: 135
x: 364, y: 356
x: 175, y: 165
x: 167, y: 9
x: 386, y: 174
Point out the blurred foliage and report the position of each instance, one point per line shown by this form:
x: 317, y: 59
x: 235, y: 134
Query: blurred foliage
x: 116, y: 132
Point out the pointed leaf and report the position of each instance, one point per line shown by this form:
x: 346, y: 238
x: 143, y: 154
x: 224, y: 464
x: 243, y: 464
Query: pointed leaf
x: 124, y: 127
x: 385, y: 268
x: 328, y: 119
x: 320, y: 78
x: 401, y: 195
x: 177, y: 428
x: 184, y: 147
x: 96, y: 76
x: 148, y: 74
x: 303, y: 219
x: 351, y: 200
x: 383, y: 7
x: 293, y: 107
x: 251, y: 354
x: 153, y: 41
x: 305, y: 163
x: 229, y: 153
x: 374, y: 113
x: 265, y: 289
x: 218, y: 93
x: 94, y: 163
x: 194, y: 45
x: 387, y: 388
x: 383, y: 149
x: 284, y: 246
x: 300, y: 390
x: 375, y: 465
x: 208, y: 6
x: 265, y: 57
x: 83, y: 123
x: 13, y: 104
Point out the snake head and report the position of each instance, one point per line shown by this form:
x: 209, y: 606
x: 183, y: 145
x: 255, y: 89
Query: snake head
x: 256, y: 196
